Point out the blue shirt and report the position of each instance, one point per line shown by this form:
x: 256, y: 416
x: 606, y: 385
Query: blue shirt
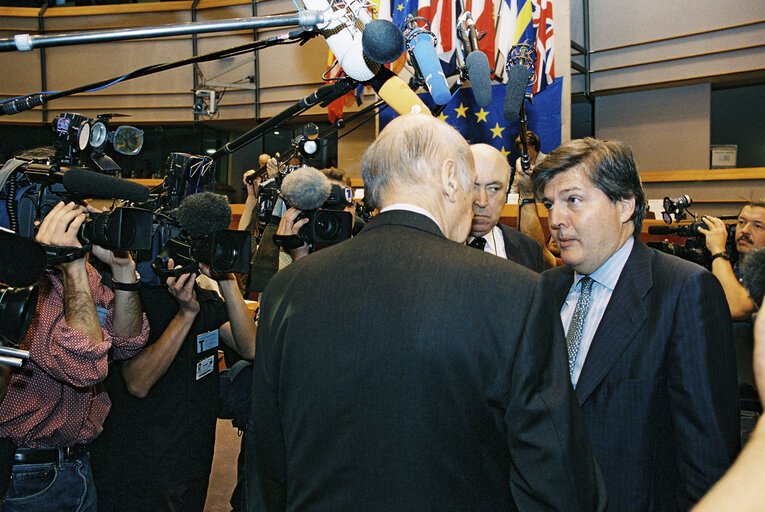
x: 604, y: 281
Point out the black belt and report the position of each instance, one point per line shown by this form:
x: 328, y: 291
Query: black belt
x: 48, y: 455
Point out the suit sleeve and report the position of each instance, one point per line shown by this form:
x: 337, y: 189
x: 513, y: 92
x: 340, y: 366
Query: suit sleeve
x: 552, y: 464
x: 703, y: 390
x: 265, y: 453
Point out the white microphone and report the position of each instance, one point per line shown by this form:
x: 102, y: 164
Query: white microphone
x: 342, y: 31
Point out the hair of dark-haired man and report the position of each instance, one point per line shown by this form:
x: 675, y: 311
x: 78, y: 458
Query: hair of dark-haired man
x: 609, y: 165
x: 531, y: 139
x: 753, y: 272
x: 336, y: 174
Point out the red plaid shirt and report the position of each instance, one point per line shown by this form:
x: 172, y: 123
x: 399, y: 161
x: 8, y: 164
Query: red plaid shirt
x: 57, y: 397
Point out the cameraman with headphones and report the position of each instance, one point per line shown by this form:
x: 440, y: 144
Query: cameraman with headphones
x: 750, y: 235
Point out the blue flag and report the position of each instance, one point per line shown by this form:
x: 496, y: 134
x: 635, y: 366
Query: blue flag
x: 489, y: 126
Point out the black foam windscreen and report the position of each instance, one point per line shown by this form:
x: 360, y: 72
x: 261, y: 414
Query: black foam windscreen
x: 22, y: 260
x: 517, y: 80
x: 382, y: 41
x: 753, y: 270
x: 203, y: 214
x: 479, y: 73
x: 93, y: 184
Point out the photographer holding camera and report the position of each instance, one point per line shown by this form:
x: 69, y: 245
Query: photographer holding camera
x: 157, y: 448
x: 750, y: 235
x: 55, y: 404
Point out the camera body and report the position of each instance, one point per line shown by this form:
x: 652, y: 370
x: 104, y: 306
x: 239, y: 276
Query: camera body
x: 224, y: 251
x: 330, y: 223
x: 694, y: 248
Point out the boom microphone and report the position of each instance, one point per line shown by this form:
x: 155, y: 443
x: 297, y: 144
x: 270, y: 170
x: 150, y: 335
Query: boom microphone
x: 517, y: 80
x: 476, y: 62
x: 343, y: 34
x: 480, y: 77
x: 203, y: 214
x: 422, y: 47
x: 94, y: 184
x: 382, y: 41
x: 396, y: 93
x: 22, y: 260
x: 306, y: 188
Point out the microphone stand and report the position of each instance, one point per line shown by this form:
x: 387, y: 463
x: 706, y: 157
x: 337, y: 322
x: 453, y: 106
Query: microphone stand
x: 31, y: 101
x: 26, y: 42
x: 323, y: 95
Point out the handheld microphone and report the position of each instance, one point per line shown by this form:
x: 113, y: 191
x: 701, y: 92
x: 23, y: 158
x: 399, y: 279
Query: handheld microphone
x: 382, y: 41
x: 306, y: 188
x: 396, y: 93
x: 476, y: 62
x: 93, y: 184
x: 22, y: 260
x: 203, y: 213
x: 421, y: 44
x: 343, y: 32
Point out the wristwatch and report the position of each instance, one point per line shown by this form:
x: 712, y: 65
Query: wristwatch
x: 127, y: 287
x: 724, y: 255
x: 527, y: 200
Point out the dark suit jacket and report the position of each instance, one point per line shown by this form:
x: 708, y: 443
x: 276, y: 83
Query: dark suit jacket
x: 401, y: 371
x: 522, y: 249
x: 658, y: 387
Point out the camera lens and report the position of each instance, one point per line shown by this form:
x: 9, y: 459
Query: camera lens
x: 225, y: 251
x: 326, y: 225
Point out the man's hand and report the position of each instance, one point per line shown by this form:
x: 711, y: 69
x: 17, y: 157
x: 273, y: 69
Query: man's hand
x: 288, y: 226
x: 252, y: 186
x: 61, y: 225
x: 716, y: 234
x: 523, y: 180
x: 182, y: 288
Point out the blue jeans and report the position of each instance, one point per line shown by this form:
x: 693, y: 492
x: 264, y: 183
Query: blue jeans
x: 53, y: 487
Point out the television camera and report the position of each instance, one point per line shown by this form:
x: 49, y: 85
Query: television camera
x: 694, y: 248
x: 324, y: 206
x: 35, y: 181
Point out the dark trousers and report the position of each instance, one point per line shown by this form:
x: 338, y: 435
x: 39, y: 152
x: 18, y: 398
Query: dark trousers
x: 186, y: 496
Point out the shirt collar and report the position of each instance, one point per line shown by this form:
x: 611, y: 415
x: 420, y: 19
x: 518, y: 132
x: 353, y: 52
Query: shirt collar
x: 608, y: 273
x: 412, y: 208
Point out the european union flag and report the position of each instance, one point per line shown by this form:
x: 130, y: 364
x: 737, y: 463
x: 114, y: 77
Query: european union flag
x: 477, y: 124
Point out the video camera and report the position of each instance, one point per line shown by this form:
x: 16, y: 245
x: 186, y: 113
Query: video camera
x: 33, y: 183
x: 324, y: 205
x: 694, y: 248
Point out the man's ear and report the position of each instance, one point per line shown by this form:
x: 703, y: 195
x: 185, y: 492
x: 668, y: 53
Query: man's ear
x: 627, y: 206
x: 448, y: 175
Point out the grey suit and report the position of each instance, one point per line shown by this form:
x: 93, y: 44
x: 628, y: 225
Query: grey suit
x: 658, y: 386
x: 401, y: 371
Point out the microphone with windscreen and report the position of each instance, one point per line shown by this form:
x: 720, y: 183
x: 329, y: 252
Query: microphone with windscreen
x: 476, y: 62
x: 421, y: 44
x: 89, y: 184
x: 382, y: 41
x: 517, y: 81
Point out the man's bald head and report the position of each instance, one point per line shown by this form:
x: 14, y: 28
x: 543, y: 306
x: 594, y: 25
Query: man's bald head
x: 492, y: 179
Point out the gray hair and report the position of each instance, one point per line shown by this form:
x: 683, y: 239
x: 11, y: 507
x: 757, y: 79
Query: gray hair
x: 608, y: 164
x: 408, y: 150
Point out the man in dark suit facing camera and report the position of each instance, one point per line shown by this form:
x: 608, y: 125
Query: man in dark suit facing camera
x: 386, y: 377
x: 486, y: 232
x: 648, y: 335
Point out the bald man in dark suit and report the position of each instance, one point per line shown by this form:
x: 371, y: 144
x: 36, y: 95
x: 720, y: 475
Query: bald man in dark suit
x: 386, y: 377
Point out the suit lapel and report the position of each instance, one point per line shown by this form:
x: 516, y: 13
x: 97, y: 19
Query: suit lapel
x: 625, y: 314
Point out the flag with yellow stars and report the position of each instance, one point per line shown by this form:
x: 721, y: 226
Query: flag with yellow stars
x: 488, y: 125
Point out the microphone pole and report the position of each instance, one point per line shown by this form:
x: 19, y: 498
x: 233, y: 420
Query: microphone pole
x: 323, y: 95
x: 26, y: 42
x: 525, y: 159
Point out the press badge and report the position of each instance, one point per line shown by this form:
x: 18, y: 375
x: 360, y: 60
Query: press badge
x: 207, y: 341
x: 205, y: 366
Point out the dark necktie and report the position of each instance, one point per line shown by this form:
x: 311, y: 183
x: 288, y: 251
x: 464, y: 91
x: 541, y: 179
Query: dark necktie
x: 478, y: 243
x: 574, y: 334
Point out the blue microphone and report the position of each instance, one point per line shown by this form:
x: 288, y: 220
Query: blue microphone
x: 422, y: 47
